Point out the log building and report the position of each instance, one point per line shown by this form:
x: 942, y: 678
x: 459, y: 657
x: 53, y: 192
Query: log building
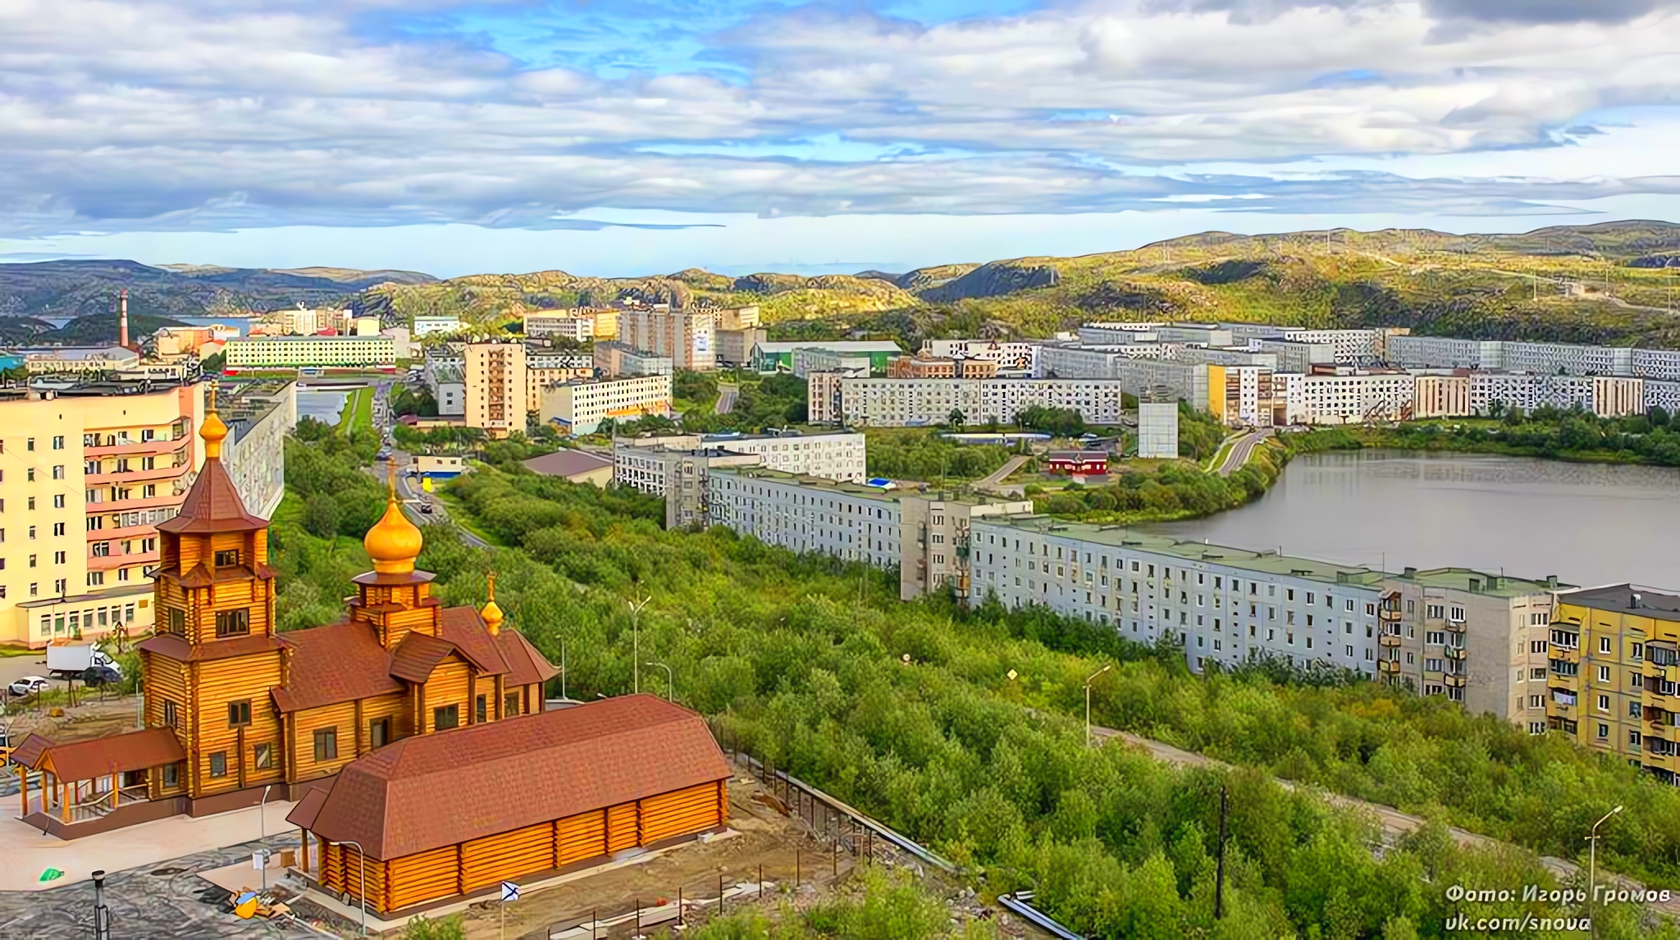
x: 232, y: 707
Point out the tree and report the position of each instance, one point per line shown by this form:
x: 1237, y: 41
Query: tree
x: 955, y: 418
x: 321, y: 516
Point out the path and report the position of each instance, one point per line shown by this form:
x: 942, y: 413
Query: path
x: 726, y: 399
x: 1394, y: 823
x: 1239, y: 452
x: 994, y: 480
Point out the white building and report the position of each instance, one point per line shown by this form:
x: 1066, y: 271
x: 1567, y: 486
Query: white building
x: 258, y: 416
x: 1445, y: 352
x: 1351, y: 347
x: 1158, y: 430
x: 292, y: 352
x: 887, y: 402
x: 1661, y: 364
x: 579, y: 407
x: 1016, y: 357
x: 1347, y: 396
x: 427, y: 326
x: 838, y: 456
x: 1664, y: 395
x: 1608, y: 396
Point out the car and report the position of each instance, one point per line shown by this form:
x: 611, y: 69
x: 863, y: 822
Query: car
x: 426, y: 508
x: 96, y: 676
x: 384, y: 455
x: 29, y: 685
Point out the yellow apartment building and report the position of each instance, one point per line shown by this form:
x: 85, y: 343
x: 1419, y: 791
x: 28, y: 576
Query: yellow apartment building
x: 495, y: 378
x: 1614, y: 674
x: 86, y: 474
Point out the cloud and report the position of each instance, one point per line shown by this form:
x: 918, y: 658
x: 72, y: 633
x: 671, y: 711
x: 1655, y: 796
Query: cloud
x: 180, y: 114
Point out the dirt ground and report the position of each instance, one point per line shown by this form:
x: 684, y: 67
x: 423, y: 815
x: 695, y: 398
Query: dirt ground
x: 92, y: 717
x: 767, y: 838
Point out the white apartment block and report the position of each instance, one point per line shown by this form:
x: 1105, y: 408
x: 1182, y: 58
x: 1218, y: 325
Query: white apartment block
x: 1608, y: 396
x: 1568, y: 358
x: 495, y: 377
x: 545, y: 369
x: 1171, y: 378
x: 1420, y: 352
x: 614, y: 359
x: 1010, y: 357
x: 685, y: 336
x: 579, y: 407
x: 886, y: 402
x: 426, y: 326
x: 1347, y: 398
x: 1293, y: 356
x: 1158, y: 430
x: 291, y: 352
x: 1445, y: 352
x: 1078, y: 361
x: 1664, y: 395
x: 1351, y: 347
x: 838, y: 456
x: 1243, y: 395
x: 576, y: 329
x: 1222, y: 603
x: 1661, y: 364
x: 846, y: 520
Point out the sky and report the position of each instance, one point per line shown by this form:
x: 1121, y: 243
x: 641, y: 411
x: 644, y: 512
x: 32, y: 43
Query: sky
x: 623, y: 137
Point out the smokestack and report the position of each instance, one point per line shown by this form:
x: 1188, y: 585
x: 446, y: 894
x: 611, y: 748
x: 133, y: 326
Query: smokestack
x: 122, y: 319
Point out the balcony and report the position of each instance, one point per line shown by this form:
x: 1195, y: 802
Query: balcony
x: 120, y: 447
x: 119, y: 477
x: 1454, y: 652
x: 1389, y: 639
x: 1571, y: 683
x: 114, y: 561
x: 126, y: 505
x: 1651, y: 670
x: 1660, y: 761
x: 1453, y: 680
x: 1388, y: 665
x: 1454, y: 626
x: 1567, y: 654
x: 1388, y: 615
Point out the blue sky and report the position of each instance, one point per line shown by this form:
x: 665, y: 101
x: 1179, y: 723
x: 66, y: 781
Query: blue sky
x: 644, y: 136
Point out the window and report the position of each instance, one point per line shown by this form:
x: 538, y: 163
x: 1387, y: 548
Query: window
x: 227, y: 558
x: 58, y: 471
x: 58, y: 501
x: 233, y: 622
x: 239, y: 713
x: 1603, y: 731
x: 326, y: 744
x: 510, y: 705
x: 172, y: 775
x: 1535, y: 701
x: 175, y: 621
x: 1633, y: 740
x: 1604, y: 703
x: 218, y: 764
x: 171, y: 714
x: 449, y: 716
x: 1604, y: 673
x: 1534, y: 646
x: 58, y: 442
x: 481, y: 709
x: 264, y: 754
x: 1604, y: 644
x: 379, y: 732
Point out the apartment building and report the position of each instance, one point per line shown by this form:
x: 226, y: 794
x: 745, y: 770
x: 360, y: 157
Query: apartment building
x: 437, y: 325
x: 1661, y: 364
x: 445, y: 379
x: 837, y: 456
x: 544, y: 369
x: 1421, y: 352
x: 1567, y: 358
x: 1603, y: 395
x: 685, y: 477
x: 1613, y: 674
x: 578, y: 323
x: 738, y: 331
x: 1166, y: 378
x: 258, y: 415
x: 1474, y: 637
x: 1347, y: 396
x: 1224, y: 604
x: 687, y: 337
x: 936, y: 540
x: 884, y: 402
x: 772, y: 357
x: 88, y: 473
x: 1157, y: 430
x: 823, y: 400
x: 495, y: 380
x: 614, y: 359
x: 1118, y: 334
x: 579, y: 407
x: 1441, y: 396
x: 1080, y: 361
x: 1200, y: 334
x: 923, y: 366
x: 77, y: 360
x: 1011, y: 357
x: 1294, y: 355
x: 1351, y: 347
x: 1661, y: 394
x: 1445, y: 352
x: 1244, y: 395
x: 324, y: 352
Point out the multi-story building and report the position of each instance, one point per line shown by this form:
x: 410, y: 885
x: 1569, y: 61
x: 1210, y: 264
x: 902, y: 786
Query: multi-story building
x: 685, y: 477
x: 1567, y: 358
x: 1351, y: 347
x: 90, y: 471
x: 1348, y: 396
x: 1661, y: 364
x: 613, y: 359
x: 443, y: 378
x: 495, y: 378
x: 936, y: 540
x: 1015, y: 358
x: 771, y: 357
x: 579, y: 407
x: 687, y: 337
x: 738, y: 331
x: 1603, y: 395
x: 837, y: 456
x: 323, y: 352
x: 77, y: 360
x: 579, y: 324
x: 258, y: 415
x: 1436, y: 395
x: 306, y: 321
x: 813, y: 359
x: 1442, y: 352
x: 1613, y: 676
x: 1079, y: 361
x: 1476, y: 638
x: 1662, y: 394
x: 1244, y: 395
x: 883, y: 402
x: 822, y: 394
x: 1295, y: 356
x: 924, y: 366
x: 1166, y: 378
x: 1445, y: 352
x: 1157, y: 430
x: 428, y: 326
x: 545, y: 369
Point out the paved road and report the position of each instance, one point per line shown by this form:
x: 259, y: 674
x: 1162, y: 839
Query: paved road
x: 1394, y: 823
x: 994, y: 481
x: 412, y: 496
x: 1239, y: 452
x: 726, y: 399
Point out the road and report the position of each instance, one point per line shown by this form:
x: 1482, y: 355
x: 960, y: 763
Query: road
x: 1239, y: 452
x: 408, y: 488
x: 1394, y: 823
x: 726, y: 399
x: 994, y: 481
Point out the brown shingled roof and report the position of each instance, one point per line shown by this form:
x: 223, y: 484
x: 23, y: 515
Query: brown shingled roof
x: 417, y: 655
x: 212, y: 505
x: 464, y: 627
x: 435, y: 790
x: 526, y: 666
x: 177, y: 648
x: 136, y: 750
x: 339, y: 662
x: 30, y: 749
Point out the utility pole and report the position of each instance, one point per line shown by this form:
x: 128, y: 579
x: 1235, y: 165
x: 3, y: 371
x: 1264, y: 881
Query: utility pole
x: 636, y: 642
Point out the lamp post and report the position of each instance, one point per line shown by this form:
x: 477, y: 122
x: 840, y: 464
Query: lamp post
x: 636, y: 641
x: 262, y: 833
x: 563, y: 669
x: 362, y: 854
x: 101, y: 913
x: 1592, y: 855
x: 670, y: 683
x: 1092, y: 678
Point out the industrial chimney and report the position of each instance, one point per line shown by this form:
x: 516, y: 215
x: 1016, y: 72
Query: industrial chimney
x: 122, y: 319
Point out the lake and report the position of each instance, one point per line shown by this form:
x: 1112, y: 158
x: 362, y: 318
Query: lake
x: 1589, y: 524
x: 323, y: 405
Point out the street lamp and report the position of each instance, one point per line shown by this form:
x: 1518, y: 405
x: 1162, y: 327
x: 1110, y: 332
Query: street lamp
x: 636, y: 640
x: 262, y: 833
x: 1092, y: 678
x: 563, y: 669
x: 1592, y: 854
x: 362, y: 854
x: 670, y: 683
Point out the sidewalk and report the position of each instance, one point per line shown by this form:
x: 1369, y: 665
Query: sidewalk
x: 28, y: 851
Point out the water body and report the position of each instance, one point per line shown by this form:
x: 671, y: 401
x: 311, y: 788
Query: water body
x: 1588, y: 524
x: 243, y: 323
x: 323, y: 405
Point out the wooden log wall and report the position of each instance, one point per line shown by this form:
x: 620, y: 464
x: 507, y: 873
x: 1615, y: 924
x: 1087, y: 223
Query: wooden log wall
x: 448, y: 685
x: 341, y: 717
x: 424, y: 876
x: 341, y: 872
x: 507, y: 855
x: 681, y: 811
x: 623, y: 829
x: 579, y: 837
x: 237, y: 679
x: 165, y: 680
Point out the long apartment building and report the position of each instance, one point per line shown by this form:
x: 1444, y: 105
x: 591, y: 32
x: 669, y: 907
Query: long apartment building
x: 614, y: 359
x: 543, y: 369
x: 1347, y: 396
x: 887, y: 402
x: 925, y: 535
x: 686, y: 337
x: 1612, y: 678
x: 258, y: 416
x: 1016, y: 358
x: 644, y: 463
x: 326, y: 352
x: 86, y: 474
x: 495, y: 387
x: 1452, y: 632
x: 580, y: 407
x: 1548, y: 358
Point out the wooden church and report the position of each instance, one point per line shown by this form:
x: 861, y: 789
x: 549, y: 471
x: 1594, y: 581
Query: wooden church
x: 402, y: 688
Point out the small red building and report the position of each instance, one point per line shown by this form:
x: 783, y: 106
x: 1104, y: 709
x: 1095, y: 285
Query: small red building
x: 1088, y: 463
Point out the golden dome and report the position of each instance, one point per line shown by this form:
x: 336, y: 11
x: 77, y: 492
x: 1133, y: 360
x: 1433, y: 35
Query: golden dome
x: 393, y: 543
x: 212, y: 431
x: 491, y: 613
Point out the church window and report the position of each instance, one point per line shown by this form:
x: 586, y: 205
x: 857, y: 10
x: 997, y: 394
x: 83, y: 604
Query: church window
x: 449, y: 716
x: 326, y: 744
x: 265, y: 756
x: 233, y: 622
x: 239, y: 713
x: 218, y: 764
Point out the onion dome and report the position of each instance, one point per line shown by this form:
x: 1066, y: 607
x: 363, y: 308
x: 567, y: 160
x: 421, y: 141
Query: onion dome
x: 491, y: 613
x: 393, y: 543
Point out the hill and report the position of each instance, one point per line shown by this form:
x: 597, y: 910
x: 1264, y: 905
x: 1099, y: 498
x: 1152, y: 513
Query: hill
x: 73, y: 288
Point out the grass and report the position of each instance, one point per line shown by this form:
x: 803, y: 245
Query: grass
x: 357, y: 414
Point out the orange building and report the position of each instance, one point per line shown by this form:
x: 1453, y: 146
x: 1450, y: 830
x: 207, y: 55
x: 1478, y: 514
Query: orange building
x: 232, y: 706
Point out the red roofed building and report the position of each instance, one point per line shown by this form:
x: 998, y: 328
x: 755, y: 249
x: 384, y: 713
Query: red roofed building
x: 564, y: 788
x: 1077, y: 462
x: 232, y: 706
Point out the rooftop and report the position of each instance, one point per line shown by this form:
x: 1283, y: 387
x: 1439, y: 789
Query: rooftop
x: 867, y: 345
x: 567, y: 463
x: 1497, y: 585
x: 1621, y: 598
